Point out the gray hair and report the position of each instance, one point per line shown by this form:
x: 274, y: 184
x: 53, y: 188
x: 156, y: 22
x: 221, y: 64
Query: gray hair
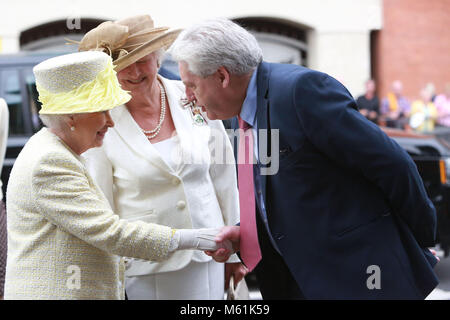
x: 214, y: 43
x: 54, y: 121
x: 160, y: 56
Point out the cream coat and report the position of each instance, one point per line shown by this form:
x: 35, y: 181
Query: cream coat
x: 139, y: 184
x: 60, y: 226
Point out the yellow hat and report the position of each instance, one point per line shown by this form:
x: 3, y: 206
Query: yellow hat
x: 81, y: 82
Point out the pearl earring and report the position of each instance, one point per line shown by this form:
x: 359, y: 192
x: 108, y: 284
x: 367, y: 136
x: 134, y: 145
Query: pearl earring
x: 72, y: 128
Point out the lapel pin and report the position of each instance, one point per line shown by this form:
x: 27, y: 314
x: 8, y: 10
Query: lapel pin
x: 195, y: 111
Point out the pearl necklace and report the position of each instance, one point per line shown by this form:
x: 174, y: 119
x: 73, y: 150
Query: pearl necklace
x: 150, y: 134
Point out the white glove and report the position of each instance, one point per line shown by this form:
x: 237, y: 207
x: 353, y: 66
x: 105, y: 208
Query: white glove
x: 199, y: 239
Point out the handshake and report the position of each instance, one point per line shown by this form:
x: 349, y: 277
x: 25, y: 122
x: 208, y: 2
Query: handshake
x: 218, y: 243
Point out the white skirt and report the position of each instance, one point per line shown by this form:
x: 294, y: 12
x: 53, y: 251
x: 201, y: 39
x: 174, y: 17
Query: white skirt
x: 196, y: 281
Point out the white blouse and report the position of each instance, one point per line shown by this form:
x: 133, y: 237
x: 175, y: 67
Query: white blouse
x: 167, y: 149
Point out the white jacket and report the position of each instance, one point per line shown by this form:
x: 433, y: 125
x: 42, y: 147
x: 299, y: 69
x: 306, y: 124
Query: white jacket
x: 141, y: 186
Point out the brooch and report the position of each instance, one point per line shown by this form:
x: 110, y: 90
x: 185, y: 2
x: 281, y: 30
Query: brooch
x: 195, y: 111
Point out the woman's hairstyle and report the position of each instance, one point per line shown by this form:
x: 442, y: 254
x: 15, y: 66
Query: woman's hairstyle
x: 54, y: 121
x: 214, y: 43
x: 160, y: 56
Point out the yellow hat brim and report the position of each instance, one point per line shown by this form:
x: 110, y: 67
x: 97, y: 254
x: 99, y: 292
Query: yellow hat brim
x: 101, y: 94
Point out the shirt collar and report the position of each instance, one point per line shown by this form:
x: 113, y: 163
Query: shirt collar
x: 248, y: 111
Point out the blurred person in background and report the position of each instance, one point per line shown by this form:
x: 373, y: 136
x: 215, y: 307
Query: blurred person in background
x: 64, y: 241
x: 368, y: 103
x: 431, y: 90
x: 442, y: 103
x: 138, y: 171
x: 395, y: 108
x: 4, y: 123
x: 423, y: 112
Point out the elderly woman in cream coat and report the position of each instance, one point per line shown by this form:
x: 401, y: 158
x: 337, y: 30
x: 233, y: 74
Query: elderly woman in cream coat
x: 164, y: 162
x: 63, y: 238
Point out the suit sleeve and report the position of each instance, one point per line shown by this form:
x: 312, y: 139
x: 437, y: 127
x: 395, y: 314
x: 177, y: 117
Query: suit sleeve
x: 329, y: 116
x: 65, y: 197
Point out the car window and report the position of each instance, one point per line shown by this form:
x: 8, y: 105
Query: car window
x: 10, y: 84
x: 33, y: 95
x: 169, y: 68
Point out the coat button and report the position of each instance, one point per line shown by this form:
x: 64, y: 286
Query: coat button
x: 181, y: 205
x: 175, y: 181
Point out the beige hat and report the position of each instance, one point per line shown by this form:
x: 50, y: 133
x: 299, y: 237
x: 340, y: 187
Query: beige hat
x: 128, y: 40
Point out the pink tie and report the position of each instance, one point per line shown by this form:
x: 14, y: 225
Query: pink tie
x: 249, y: 245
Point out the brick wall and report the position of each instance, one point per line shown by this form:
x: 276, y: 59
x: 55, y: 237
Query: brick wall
x: 413, y: 45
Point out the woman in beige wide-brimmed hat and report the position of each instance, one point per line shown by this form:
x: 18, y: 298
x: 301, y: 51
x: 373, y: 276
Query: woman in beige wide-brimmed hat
x: 157, y: 165
x: 63, y: 238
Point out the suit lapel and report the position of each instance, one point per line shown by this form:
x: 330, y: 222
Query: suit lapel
x: 129, y: 131
x: 181, y: 120
x: 235, y: 142
x: 193, y: 138
x: 262, y: 84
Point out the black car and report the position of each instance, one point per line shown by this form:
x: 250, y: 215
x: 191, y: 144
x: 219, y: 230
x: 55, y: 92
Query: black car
x: 431, y: 154
x: 18, y: 89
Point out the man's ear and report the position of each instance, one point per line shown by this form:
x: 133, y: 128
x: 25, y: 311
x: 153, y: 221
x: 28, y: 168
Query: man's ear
x: 224, y: 76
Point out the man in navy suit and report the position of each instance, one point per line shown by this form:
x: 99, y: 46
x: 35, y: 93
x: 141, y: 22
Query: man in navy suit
x: 344, y: 214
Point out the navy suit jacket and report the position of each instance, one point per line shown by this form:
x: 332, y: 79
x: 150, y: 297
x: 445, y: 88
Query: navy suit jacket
x: 346, y: 197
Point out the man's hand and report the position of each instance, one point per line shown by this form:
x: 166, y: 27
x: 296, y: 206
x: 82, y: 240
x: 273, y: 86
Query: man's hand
x: 372, y: 115
x: 435, y: 254
x: 226, y: 234
x: 364, y: 112
x: 235, y: 270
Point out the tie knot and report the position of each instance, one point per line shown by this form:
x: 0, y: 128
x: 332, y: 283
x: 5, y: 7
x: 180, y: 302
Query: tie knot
x: 243, y: 125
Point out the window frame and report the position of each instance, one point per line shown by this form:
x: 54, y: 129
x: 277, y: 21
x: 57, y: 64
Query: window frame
x: 25, y: 111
